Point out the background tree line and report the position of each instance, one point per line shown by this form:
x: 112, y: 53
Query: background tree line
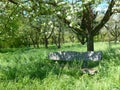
x: 43, y: 22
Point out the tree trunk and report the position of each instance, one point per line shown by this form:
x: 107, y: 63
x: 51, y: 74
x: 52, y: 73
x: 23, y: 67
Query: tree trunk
x: 46, y: 42
x: 63, y: 39
x: 115, y: 39
x: 59, y: 42
x: 59, y: 39
x: 90, y: 43
x: 33, y: 43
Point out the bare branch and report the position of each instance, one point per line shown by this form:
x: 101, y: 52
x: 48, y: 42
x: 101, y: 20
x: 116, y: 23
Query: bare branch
x: 12, y: 1
x: 105, y: 18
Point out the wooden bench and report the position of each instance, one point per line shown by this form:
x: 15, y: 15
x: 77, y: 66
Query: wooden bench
x: 73, y: 55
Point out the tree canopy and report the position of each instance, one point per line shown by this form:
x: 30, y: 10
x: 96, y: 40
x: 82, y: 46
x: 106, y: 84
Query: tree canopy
x: 30, y: 18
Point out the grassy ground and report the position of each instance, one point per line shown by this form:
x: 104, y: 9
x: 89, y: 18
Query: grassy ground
x: 29, y: 69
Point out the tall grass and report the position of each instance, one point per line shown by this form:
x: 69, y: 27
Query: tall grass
x: 30, y: 69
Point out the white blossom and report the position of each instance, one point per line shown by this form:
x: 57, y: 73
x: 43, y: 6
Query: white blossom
x: 69, y: 18
x: 50, y: 22
x: 58, y: 13
x: 61, y: 3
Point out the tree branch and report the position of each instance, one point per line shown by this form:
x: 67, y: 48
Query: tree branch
x: 12, y: 1
x: 75, y: 29
x: 105, y: 18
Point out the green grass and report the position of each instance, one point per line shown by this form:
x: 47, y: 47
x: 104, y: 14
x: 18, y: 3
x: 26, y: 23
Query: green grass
x: 30, y: 69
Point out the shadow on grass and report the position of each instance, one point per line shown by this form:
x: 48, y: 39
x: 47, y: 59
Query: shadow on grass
x: 11, y: 50
x: 41, y: 69
x: 111, y: 53
x: 37, y: 67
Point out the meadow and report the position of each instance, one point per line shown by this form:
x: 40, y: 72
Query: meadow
x: 30, y: 69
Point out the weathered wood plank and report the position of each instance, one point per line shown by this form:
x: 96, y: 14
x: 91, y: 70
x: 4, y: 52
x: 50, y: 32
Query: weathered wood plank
x: 73, y: 55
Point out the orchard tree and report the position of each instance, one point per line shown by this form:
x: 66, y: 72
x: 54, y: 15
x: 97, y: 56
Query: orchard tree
x: 81, y: 17
x: 9, y: 23
x: 113, y: 26
x: 35, y: 14
x: 48, y: 28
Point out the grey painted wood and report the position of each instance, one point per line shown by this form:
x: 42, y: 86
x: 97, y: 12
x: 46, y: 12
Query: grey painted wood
x: 73, y: 55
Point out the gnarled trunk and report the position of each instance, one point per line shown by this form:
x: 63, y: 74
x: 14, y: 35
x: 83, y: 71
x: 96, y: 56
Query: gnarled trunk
x: 90, y: 42
x: 59, y: 39
x: 46, y: 41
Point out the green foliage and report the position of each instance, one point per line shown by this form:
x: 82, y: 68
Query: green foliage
x: 29, y: 69
x: 31, y: 21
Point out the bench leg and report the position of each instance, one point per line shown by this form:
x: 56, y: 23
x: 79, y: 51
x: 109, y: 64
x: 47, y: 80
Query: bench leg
x: 84, y: 64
